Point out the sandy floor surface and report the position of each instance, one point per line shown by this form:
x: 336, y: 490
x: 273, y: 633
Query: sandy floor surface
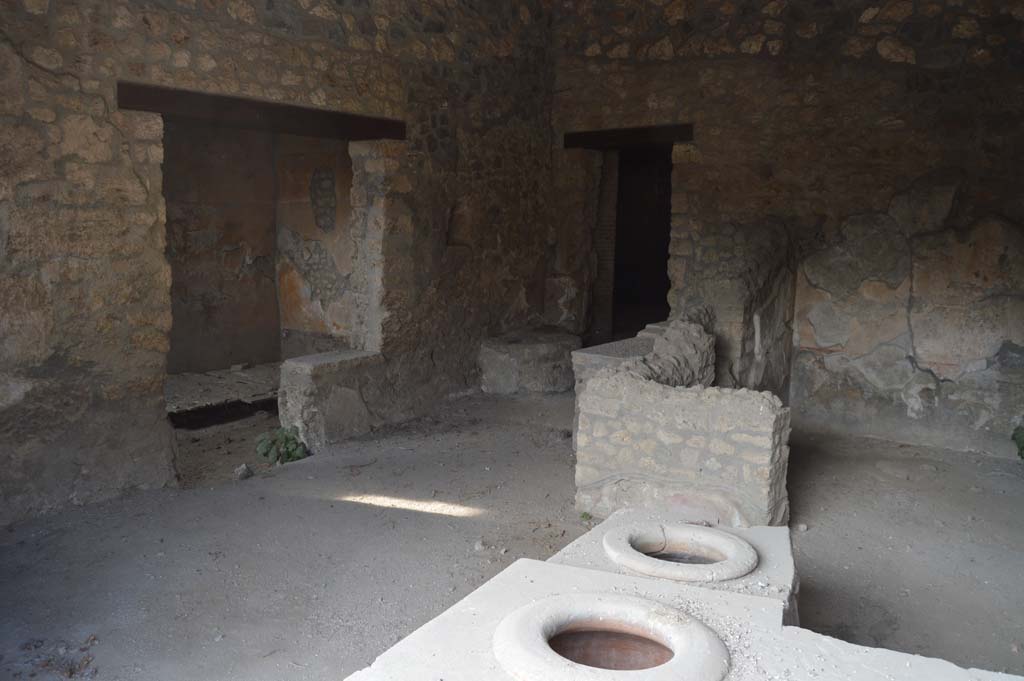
x: 915, y: 549
x: 310, y: 570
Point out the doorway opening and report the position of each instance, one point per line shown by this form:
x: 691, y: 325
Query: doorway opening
x: 225, y: 342
x: 264, y: 248
x: 642, y: 235
x: 259, y: 245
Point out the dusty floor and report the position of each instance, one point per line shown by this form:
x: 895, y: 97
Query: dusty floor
x: 310, y: 570
x: 911, y: 548
x: 210, y: 455
x: 306, y: 571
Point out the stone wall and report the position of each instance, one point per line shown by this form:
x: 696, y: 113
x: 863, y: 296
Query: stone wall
x: 317, y: 246
x: 715, y: 454
x: 911, y: 325
x: 572, y: 257
x: 741, y: 273
x: 805, y: 114
x: 219, y: 189
x: 84, y: 282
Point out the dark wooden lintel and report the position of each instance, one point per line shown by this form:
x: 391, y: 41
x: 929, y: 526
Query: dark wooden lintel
x: 253, y: 114
x: 627, y: 138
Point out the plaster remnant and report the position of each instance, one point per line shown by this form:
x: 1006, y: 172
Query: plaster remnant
x: 323, y: 196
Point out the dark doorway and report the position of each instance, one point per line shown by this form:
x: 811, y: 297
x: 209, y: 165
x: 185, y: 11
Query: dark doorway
x: 642, y: 234
x: 219, y: 188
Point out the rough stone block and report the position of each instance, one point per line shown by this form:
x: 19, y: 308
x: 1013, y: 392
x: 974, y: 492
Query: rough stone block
x: 321, y: 395
x: 588, y: 361
x: 653, y: 330
x: 683, y: 355
x: 720, y: 454
x: 537, y: 360
x: 679, y: 353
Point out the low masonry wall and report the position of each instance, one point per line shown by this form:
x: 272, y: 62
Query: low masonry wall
x: 323, y: 395
x: 715, y: 454
x: 534, y: 360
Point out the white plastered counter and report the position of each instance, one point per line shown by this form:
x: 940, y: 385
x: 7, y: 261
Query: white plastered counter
x: 458, y: 645
x: 774, y: 576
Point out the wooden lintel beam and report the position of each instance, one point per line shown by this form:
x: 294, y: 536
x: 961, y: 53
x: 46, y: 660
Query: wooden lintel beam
x: 627, y: 138
x: 253, y: 114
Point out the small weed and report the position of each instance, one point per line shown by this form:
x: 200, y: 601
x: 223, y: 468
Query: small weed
x: 281, y: 445
x: 586, y: 517
x: 1018, y: 439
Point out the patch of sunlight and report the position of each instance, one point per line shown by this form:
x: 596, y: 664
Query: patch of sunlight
x: 431, y: 506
